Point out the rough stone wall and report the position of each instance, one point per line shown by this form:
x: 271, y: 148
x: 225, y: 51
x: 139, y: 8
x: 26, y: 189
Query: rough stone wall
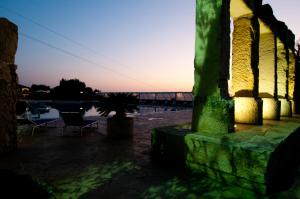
x: 297, y: 82
x: 8, y: 85
x: 245, y: 57
x: 292, y: 63
x: 261, y: 156
x: 212, y: 111
x: 267, y: 65
x: 281, y: 69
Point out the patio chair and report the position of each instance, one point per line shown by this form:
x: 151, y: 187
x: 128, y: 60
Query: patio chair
x: 43, y: 123
x: 76, y: 119
x: 36, y: 123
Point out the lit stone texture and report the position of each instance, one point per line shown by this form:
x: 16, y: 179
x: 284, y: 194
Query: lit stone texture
x: 292, y: 63
x: 267, y: 74
x: 267, y: 65
x: 286, y: 108
x: 8, y: 85
x: 260, y: 158
x: 247, y: 110
x: 212, y: 112
x: 282, y: 68
x: 238, y: 8
x: 297, y: 82
x: 293, y: 106
x: 271, y: 109
x: 244, y: 56
x: 282, y: 79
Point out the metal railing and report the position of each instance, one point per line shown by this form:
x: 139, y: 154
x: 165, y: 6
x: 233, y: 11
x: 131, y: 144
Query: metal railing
x: 162, y: 98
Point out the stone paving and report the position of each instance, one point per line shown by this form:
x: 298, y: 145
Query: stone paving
x: 92, y: 166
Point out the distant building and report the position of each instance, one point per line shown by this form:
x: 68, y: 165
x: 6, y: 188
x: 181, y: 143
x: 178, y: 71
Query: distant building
x: 24, y: 91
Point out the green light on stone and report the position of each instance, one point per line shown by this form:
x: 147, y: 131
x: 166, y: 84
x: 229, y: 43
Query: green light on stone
x: 207, y: 53
x: 196, y: 188
x: 91, y: 178
x: 211, y: 112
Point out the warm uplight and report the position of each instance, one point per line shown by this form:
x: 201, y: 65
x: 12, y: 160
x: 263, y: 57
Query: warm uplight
x: 238, y: 8
x: 230, y: 60
x: 281, y: 68
x: 246, y: 110
x: 293, y: 106
x: 286, y: 108
x: 266, y: 61
x: 271, y: 109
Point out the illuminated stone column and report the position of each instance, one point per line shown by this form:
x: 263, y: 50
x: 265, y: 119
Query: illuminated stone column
x: 297, y: 81
x: 281, y: 69
x: 282, y: 79
x: 245, y: 59
x: 8, y: 85
x: 213, y: 110
x: 291, y: 78
x: 267, y: 73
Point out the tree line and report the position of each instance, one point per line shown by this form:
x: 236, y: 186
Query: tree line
x: 72, y: 89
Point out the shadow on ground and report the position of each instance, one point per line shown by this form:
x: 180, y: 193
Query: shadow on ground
x: 94, y: 167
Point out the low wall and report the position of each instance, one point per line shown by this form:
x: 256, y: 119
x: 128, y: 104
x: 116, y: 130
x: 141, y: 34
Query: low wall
x: 260, y: 158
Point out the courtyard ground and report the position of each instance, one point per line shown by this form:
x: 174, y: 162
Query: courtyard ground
x: 92, y: 166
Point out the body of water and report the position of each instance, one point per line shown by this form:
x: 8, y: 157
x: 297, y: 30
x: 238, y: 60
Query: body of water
x: 42, y: 110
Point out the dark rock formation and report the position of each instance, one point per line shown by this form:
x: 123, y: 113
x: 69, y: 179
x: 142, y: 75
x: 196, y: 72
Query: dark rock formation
x: 8, y: 85
x: 15, y: 185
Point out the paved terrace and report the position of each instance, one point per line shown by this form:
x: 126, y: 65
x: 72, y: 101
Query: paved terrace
x: 93, y: 167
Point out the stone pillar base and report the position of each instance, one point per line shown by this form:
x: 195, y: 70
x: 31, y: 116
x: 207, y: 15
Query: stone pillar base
x: 271, y: 109
x: 286, y: 108
x: 248, y: 110
x: 293, y: 107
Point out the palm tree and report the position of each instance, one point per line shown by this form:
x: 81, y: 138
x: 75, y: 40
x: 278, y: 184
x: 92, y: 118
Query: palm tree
x: 120, y: 125
x: 121, y: 103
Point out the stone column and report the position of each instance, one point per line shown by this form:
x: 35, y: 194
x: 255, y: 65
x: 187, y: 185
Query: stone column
x: 245, y: 59
x: 8, y: 85
x: 282, y: 79
x: 291, y: 78
x: 267, y: 73
x: 213, y: 110
x: 297, y: 81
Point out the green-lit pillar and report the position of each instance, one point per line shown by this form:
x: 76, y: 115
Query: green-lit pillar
x: 213, y: 110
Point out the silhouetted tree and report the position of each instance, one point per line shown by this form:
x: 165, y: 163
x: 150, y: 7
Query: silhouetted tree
x: 96, y: 91
x: 88, y: 93
x: 72, y: 89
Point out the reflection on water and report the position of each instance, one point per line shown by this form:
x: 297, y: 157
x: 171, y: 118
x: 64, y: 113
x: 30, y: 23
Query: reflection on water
x: 51, y: 110
x: 52, y: 113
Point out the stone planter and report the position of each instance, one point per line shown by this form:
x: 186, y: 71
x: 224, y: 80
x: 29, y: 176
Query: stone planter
x: 118, y: 128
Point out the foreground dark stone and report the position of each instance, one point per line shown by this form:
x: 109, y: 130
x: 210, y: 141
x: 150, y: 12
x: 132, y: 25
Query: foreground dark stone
x: 8, y: 85
x: 14, y: 185
x: 262, y: 159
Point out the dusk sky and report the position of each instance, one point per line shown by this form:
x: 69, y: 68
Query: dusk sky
x: 113, y: 45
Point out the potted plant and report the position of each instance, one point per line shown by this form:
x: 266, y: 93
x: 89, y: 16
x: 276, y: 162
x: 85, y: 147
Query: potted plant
x: 119, y: 125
